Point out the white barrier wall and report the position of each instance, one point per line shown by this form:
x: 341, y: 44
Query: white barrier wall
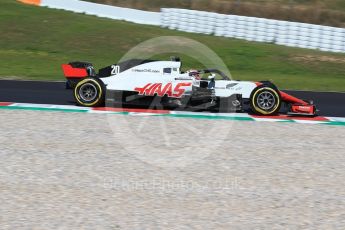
x: 113, y: 12
x: 256, y: 29
x: 248, y: 28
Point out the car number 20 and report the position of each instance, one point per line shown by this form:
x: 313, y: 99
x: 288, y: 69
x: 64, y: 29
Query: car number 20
x: 115, y: 69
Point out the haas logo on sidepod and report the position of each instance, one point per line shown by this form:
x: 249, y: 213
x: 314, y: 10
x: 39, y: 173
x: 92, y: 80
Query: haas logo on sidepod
x: 159, y: 89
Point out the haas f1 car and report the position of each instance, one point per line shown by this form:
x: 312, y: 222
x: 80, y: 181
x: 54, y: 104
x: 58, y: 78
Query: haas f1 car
x: 162, y: 84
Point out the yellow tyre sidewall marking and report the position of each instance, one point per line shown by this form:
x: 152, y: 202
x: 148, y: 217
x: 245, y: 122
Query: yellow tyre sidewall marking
x: 77, y: 97
x: 263, y: 111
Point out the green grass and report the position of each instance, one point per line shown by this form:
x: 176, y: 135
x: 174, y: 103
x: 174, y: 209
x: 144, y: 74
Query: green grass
x: 35, y: 41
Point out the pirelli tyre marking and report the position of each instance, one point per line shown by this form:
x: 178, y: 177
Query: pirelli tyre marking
x: 89, y: 92
x: 265, y: 101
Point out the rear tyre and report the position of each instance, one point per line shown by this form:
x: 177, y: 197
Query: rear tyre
x: 90, y: 92
x: 265, y: 100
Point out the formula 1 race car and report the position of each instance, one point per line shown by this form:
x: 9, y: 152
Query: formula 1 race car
x: 161, y: 84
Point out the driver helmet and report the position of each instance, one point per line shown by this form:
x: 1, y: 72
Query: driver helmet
x: 194, y: 73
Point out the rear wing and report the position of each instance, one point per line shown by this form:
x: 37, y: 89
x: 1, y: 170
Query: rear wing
x: 78, y: 70
x: 71, y: 72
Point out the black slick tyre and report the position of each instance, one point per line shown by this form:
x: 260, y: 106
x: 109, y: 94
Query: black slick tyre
x: 265, y: 100
x: 90, y: 92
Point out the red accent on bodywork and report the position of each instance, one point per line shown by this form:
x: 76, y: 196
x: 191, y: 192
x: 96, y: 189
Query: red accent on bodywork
x: 258, y: 83
x: 71, y: 72
x: 291, y: 99
x: 167, y: 90
x: 150, y: 89
x: 178, y: 91
x: 156, y: 88
x: 303, y: 109
x: 141, y: 90
x: 286, y: 117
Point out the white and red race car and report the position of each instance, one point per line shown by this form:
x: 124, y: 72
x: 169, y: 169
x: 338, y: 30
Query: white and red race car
x: 162, y: 84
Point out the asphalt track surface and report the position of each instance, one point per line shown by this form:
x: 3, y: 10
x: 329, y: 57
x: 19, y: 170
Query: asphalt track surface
x: 329, y: 103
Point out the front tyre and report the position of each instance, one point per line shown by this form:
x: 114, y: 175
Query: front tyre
x: 90, y: 92
x: 265, y: 100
